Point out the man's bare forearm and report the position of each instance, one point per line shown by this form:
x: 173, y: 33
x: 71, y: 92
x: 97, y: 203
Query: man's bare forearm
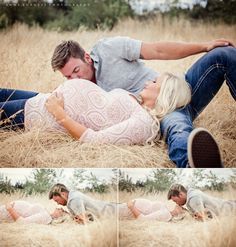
x: 176, y: 50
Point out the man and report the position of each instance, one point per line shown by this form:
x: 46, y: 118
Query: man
x: 199, y: 204
x: 80, y: 206
x: 115, y: 63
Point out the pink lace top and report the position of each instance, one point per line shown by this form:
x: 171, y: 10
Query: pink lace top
x: 149, y: 210
x: 29, y: 213
x: 110, y: 117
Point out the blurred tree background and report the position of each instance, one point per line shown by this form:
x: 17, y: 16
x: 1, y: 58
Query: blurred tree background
x: 41, y: 180
x: 157, y: 180
x: 65, y: 15
x: 68, y: 15
x: 161, y: 179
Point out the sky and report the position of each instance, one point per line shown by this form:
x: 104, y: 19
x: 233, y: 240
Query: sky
x: 142, y: 173
x: 21, y: 174
x: 141, y: 6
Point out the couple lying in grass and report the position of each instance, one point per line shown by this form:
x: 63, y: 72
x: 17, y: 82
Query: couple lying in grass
x: 83, y: 209
x: 112, y: 97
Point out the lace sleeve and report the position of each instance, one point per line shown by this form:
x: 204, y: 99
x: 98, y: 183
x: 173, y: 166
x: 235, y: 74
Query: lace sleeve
x: 39, y: 218
x: 138, y: 129
x: 160, y: 215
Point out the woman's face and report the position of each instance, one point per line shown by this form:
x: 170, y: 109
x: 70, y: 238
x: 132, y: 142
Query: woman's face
x: 58, y: 212
x: 151, y: 91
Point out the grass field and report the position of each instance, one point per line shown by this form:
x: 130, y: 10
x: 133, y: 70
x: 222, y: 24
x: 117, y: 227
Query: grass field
x: 218, y: 232
x: 102, y: 232
x: 25, y: 64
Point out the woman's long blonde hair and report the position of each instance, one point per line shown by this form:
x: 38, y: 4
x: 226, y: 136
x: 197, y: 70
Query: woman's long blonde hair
x: 175, y: 93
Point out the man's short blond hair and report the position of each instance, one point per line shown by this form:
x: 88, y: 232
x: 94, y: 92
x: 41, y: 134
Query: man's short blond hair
x: 64, y: 51
x: 175, y: 189
x: 57, y: 189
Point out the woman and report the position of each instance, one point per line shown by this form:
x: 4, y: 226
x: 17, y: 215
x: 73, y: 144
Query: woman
x: 149, y: 210
x: 26, y: 212
x: 90, y: 114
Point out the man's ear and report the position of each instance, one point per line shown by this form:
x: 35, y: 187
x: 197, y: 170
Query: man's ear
x: 181, y: 194
x: 64, y: 195
x: 87, y: 58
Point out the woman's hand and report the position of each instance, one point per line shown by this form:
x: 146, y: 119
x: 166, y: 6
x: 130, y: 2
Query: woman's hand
x: 9, y: 206
x: 218, y: 43
x: 130, y: 204
x: 55, y: 106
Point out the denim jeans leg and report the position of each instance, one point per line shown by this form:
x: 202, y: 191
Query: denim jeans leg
x: 12, y: 103
x: 15, y: 94
x: 175, y: 128
x: 208, y: 74
x: 206, y: 77
x: 12, y: 114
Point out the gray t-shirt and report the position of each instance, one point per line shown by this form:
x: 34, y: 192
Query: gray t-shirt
x: 117, y: 65
x: 197, y: 201
x: 80, y: 203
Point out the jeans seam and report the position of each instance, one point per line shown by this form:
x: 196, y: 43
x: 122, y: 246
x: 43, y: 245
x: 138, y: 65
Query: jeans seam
x: 230, y: 84
x: 214, y: 66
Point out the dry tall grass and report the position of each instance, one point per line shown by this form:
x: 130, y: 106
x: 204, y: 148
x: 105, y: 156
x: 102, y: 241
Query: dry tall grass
x: 100, y: 233
x: 25, y: 64
x: 188, y: 232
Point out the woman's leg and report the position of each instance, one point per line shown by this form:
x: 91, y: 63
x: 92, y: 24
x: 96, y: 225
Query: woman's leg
x: 12, y: 114
x: 14, y: 94
x: 12, y: 103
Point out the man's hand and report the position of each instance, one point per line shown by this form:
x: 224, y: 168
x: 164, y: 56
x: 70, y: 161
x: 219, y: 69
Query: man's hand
x: 81, y: 219
x: 165, y: 50
x: 199, y: 216
x: 218, y: 43
x: 55, y: 106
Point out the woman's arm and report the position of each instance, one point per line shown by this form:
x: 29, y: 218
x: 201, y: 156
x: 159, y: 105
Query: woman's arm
x: 135, y: 130
x: 176, y: 50
x: 10, y: 208
x: 160, y: 215
x: 55, y: 105
x: 133, y: 209
x: 39, y: 218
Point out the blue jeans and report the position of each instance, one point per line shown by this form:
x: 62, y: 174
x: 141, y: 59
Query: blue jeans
x: 12, y: 102
x: 205, y: 77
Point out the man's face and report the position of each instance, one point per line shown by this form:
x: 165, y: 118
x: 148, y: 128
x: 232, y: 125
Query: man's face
x: 61, y: 200
x: 180, y: 199
x: 77, y: 68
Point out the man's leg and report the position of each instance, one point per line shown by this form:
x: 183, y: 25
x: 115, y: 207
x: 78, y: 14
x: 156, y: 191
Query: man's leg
x: 203, y: 151
x: 206, y: 77
x: 208, y: 74
x: 175, y: 128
